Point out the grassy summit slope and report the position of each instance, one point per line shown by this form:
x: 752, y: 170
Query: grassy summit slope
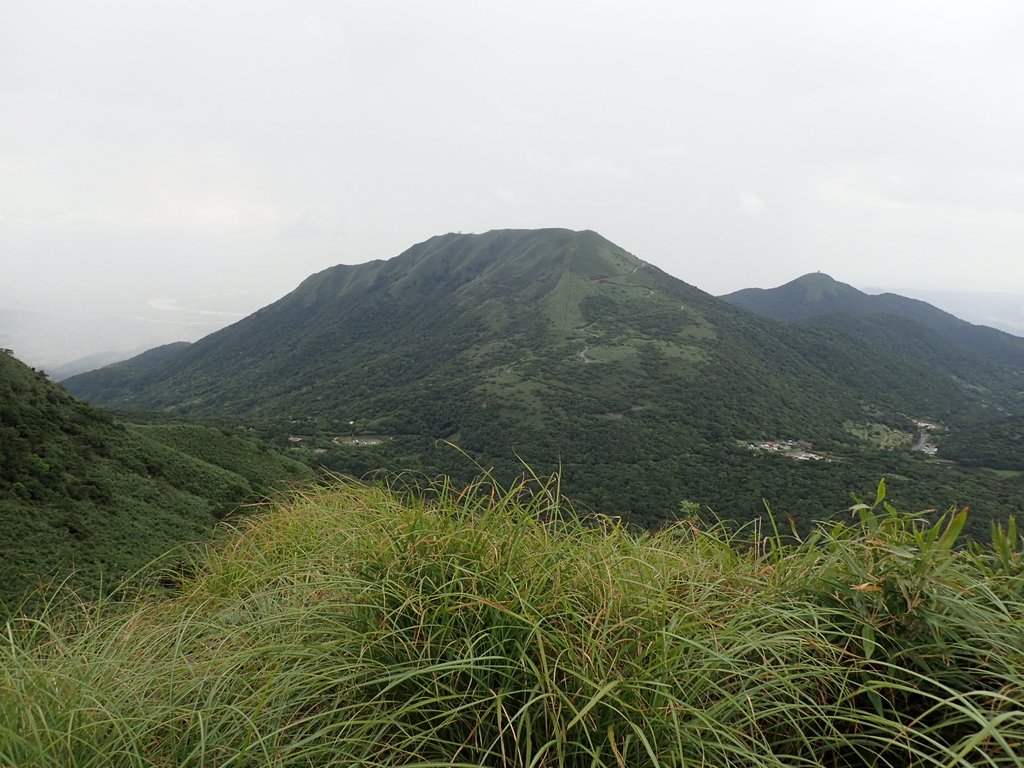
x: 352, y: 627
x: 92, y: 499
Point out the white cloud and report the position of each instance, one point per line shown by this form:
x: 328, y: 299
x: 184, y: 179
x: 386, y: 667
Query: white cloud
x: 751, y: 204
x: 207, y: 145
x: 506, y: 196
x: 174, y: 306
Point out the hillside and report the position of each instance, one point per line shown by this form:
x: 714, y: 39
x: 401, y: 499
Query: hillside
x: 1000, y: 310
x: 109, y: 380
x: 561, y: 350
x: 988, y: 360
x: 997, y: 445
x: 87, y: 363
x: 355, y: 626
x: 816, y: 296
x: 91, y: 499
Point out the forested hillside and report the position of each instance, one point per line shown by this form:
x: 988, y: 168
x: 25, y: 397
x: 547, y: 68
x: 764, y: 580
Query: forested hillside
x: 89, y: 498
x: 563, y: 351
x: 988, y: 361
x: 817, y: 295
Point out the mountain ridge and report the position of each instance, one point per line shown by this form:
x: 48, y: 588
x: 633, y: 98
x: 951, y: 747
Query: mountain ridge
x: 817, y: 295
x: 553, y: 347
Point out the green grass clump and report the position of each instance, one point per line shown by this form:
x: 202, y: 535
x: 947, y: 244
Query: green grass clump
x: 357, y: 626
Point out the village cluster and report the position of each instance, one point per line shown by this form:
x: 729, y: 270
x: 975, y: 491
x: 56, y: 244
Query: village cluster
x: 793, y: 449
x: 304, y: 442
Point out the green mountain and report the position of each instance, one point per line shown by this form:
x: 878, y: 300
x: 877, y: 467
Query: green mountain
x: 84, y: 494
x: 987, y: 360
x: 996, y: 445
x: 137, y: 368
x: 816, y: 296
x: 86, y: 363
x: 560, y: 350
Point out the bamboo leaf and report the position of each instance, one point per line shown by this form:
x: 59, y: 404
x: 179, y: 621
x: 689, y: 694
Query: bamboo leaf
x: 956, y: 524
x: 880, y: 493
x: 867, y: 633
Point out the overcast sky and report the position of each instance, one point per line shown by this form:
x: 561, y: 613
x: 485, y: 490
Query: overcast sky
x: 158, y: 156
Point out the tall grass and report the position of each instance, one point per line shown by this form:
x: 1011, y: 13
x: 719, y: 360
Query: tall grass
x: 359, y: 627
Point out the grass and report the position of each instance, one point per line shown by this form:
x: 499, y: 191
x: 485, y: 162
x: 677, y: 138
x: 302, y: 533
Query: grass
x: 362, y: 626
x: 879, y: 435
x: 1004, y: 474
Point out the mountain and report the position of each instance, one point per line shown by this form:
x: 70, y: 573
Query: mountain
x: 560, y: 350
x: 51, y: 337
x: 109, y: 381
x: 89, y: 498
x: 999, y: 310
x: 88, y: 363
x: 137, y: 361
x: 815, y: 296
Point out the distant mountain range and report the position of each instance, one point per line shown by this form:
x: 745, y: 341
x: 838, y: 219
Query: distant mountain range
x: 815, y: 298
x: 1003, y: 311
x: 65, y: 342
x: 562, y: 350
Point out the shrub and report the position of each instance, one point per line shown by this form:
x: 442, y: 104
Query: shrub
x: 359, y: 626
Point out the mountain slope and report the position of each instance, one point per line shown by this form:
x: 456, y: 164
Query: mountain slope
x: 553, y: 347
x: 112, y: 381
x: 513, y: 315
x: 817, y: 295
x: 89, y: 498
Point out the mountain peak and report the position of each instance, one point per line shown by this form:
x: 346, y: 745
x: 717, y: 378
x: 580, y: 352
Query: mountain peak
x: 816, y: 278
x: 807, y: 296
x: 818, y: 298
x: 816, y: 286
x: 502, y: 260
x: 526, y: 345
x: 570, y: 247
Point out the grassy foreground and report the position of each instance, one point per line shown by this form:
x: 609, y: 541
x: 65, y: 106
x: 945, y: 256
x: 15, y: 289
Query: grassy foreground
x: 355, y: 627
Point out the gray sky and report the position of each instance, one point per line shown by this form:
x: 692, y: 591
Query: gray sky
x: 160, y: 157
